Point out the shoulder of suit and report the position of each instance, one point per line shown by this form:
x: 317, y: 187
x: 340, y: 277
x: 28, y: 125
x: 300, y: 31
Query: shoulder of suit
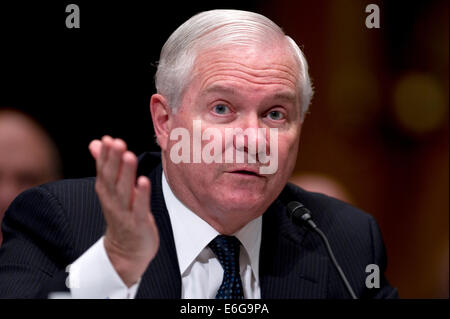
x: 73, y: 197
x: 65, y: 186
x: 326, y: 210
x: 147, y: 162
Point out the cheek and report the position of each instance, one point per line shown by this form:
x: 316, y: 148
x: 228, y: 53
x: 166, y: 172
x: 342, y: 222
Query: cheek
x: 287, y: 149
x: 182, y: 119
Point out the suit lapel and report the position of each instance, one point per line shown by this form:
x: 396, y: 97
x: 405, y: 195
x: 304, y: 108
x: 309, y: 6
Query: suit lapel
x: 292, y: 261
x: 162, y: 278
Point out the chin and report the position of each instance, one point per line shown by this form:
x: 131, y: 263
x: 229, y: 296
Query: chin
x: 243, y: 201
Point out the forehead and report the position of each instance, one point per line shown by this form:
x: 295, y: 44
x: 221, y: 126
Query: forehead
x: 253, y: 67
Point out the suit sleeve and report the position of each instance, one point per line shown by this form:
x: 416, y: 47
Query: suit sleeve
x: 385, y: 291
x: 36, y: 246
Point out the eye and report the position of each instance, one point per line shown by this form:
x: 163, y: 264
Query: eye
x: 221, y: 109
x: 275, y: 115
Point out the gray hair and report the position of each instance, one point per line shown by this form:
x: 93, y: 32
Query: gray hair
x: 217, y: 27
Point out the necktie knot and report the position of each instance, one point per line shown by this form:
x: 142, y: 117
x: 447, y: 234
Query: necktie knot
x: 227, y: 249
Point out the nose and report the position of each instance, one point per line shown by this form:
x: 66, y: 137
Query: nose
x: 250, y: 137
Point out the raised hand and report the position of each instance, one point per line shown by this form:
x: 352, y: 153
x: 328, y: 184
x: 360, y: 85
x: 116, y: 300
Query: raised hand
x: 131, y: 238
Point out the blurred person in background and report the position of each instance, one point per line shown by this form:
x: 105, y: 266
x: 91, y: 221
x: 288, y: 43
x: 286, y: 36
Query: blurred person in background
x: 28, y: 156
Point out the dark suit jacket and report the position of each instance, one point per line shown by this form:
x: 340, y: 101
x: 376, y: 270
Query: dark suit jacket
x: 48, y: 227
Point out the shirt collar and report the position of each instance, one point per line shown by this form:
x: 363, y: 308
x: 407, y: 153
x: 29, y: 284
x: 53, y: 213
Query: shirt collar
x: 192, y: 234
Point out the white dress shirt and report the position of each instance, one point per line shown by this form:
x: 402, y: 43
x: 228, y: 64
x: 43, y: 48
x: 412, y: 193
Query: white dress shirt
x: 93, y: 276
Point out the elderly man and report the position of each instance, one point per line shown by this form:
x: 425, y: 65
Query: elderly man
x: 196, y: 225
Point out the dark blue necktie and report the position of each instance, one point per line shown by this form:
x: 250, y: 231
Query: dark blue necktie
x: 227, y: 249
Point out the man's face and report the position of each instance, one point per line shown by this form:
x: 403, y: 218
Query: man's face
x: 25, y: 158
x: 237, y: 87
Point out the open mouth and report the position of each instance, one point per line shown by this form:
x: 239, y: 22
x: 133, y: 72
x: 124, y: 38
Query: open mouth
x: 246, y: 173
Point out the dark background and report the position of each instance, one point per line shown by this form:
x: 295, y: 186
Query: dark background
x: 378, y: 123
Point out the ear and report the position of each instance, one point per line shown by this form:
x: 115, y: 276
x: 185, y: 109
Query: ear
x: 161, y: 116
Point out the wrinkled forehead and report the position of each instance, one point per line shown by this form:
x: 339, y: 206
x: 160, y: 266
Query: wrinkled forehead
x: 258, y: 53
x: 260, y: 63
x: 245, y: 38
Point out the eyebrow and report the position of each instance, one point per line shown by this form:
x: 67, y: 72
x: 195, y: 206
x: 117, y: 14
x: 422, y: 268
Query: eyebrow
x: 219, y: 89
x: 283, y: 95
x: 287, y: 96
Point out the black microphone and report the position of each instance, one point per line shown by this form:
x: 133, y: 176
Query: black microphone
x: 300, y: 215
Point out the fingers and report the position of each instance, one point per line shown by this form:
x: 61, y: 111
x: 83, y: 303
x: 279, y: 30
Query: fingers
x: 108, y: 154
x: 101, y: 160
x: 111, y: 167
x: 141, y: 203
x: 116, y: 175
x: 127, y: 179
x: 95, y: 148
x: 141, y: 208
